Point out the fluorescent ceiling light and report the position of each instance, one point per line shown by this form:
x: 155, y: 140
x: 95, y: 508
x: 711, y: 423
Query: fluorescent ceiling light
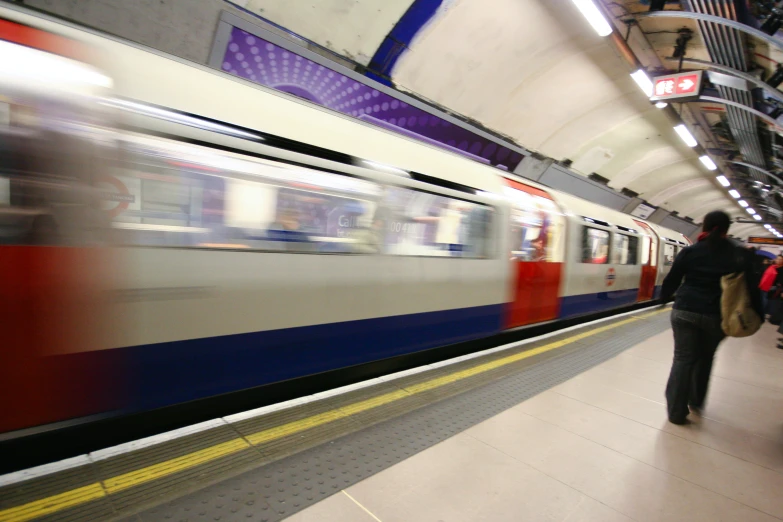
x: 743, y: 203
x: 734, y: 194
x: 594, y: 16
x: 723, y: 180
x: 768, y: 226
x: 686, y: 135
x: 661, y: 105
x: 707, y: 162
x: 644, y: 82
x: 750, y: 211
x: 757, y: 217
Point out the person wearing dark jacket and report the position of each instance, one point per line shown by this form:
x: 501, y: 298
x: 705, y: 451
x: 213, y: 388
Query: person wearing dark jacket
x: 696, y: 276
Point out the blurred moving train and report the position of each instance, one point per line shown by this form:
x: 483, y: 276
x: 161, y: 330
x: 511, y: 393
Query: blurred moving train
x: 170, y: 233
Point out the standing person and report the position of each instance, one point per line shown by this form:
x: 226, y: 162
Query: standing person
x: 769, y: 283
x: 696, y: 317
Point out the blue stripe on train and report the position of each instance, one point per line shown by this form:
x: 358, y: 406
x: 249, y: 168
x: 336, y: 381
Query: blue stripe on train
x: 574, y: 305
x: 169, y: 373
x: 174, y: 372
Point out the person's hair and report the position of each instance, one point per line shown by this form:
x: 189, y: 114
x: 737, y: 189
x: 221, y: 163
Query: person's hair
x: 716, y: 225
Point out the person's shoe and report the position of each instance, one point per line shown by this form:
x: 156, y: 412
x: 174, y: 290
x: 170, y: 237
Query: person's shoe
x: 679, y: 421
x: 780, y: 347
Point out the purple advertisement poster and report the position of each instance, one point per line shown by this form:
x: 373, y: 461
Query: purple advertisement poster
x: 265, y: 63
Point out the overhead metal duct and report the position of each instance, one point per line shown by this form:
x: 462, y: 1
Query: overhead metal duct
x: 727, y: 47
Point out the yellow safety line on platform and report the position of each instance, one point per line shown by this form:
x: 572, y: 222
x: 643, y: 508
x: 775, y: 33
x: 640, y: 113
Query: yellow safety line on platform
x: 75, y: 497
x: 53, y: 504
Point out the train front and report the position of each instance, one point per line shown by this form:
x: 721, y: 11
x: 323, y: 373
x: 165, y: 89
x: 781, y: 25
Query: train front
x: 56, y: 266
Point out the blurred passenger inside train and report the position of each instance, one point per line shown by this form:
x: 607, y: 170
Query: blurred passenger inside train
x: 287, y: 229
x: 696, y: 319
x: 287, y: 221
x: 367, y: 239
x: 539, y: 249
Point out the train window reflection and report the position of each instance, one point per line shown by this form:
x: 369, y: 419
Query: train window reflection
x: 424, y: 224
x: 167, y: 194
x: 535, y: 227
x: 624, y: 249
x: 47, y: 164
x: 646, y: 250
x: 669, y: 253
x: 595, y: 246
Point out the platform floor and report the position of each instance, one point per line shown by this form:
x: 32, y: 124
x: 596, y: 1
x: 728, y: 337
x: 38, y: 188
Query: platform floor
x: 567, y: 428
x: 599, y: 448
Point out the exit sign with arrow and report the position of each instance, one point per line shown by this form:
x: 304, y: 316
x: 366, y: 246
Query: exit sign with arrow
x: 677, y: 86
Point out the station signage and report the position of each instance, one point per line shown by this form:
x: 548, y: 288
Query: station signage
x: 643, y: 211
x: 678, y: 86
x: 759, y: 240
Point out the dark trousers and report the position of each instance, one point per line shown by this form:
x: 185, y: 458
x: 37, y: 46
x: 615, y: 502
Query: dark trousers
x: 696, y: 337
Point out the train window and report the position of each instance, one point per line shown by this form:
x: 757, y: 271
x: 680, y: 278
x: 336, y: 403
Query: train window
x: 419, y: 223
x: 595, y: 246
x: 669, y: 253
x: 167, y: 193
x: 536, y: 227
x: 625, y: 250
x: 646, y: 248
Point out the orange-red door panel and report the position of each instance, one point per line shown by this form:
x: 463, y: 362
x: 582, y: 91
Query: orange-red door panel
x: 535, y: 295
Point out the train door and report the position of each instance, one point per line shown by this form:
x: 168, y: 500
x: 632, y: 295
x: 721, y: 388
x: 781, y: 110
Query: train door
x: 649, y: 262
x: 53, y: 296
x: 537, y: 254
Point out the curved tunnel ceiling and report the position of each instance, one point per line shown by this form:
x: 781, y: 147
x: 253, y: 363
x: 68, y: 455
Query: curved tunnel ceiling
x: 536, y: 71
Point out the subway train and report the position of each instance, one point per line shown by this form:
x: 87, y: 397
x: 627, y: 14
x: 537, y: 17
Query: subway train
x: 170, y: 233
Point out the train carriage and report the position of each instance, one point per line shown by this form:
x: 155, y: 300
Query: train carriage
x: 260, y: 239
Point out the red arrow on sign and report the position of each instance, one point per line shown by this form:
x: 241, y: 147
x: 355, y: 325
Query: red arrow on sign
x: 687, y: 84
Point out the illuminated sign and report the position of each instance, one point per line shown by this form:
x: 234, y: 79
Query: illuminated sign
x: 758, y: 240
x: 677, y: 86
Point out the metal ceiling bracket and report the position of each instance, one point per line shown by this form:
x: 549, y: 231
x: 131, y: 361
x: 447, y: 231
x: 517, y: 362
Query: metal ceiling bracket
x: 759, y: 114
x: 716, y: 20
x: 759, y: 169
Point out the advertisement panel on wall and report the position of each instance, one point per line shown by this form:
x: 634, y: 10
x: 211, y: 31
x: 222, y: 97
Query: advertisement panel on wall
x: 260, y: 56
